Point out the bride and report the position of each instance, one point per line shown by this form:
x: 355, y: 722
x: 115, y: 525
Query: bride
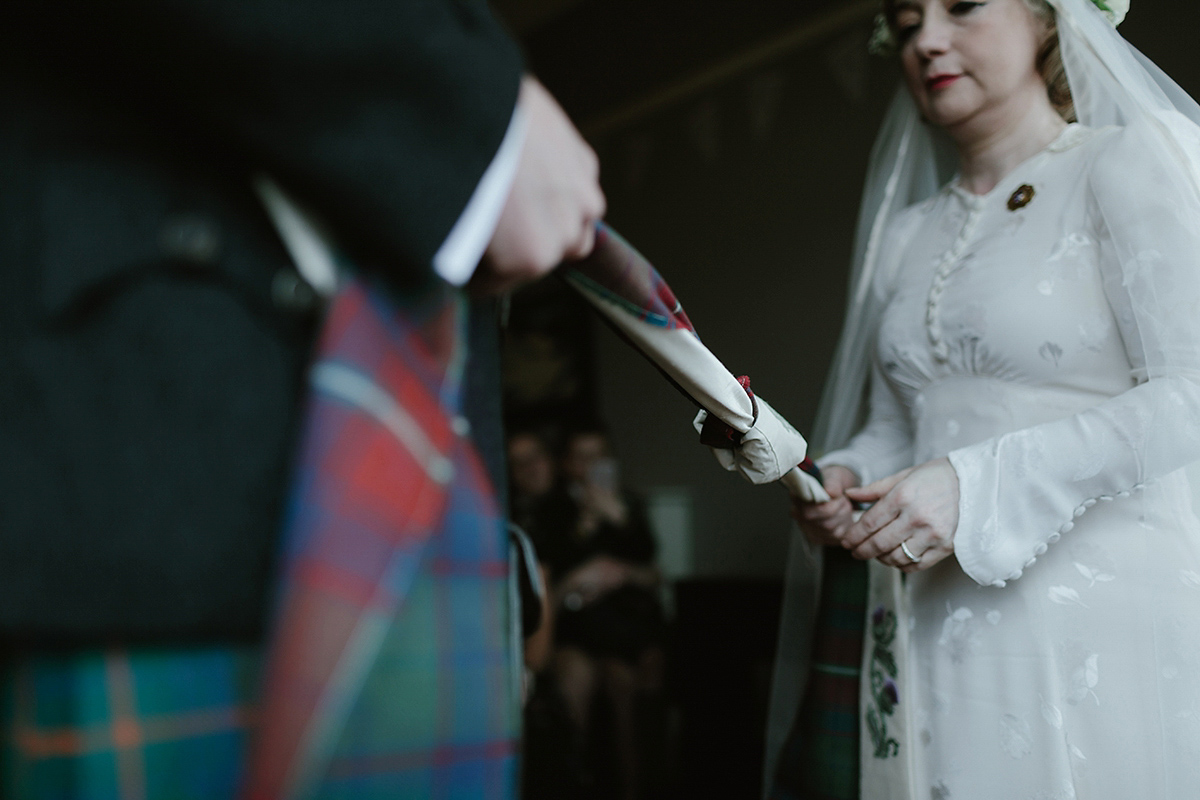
x: 1028, y: 336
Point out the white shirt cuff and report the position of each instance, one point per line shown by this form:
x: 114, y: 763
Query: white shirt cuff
x: 456, y: 259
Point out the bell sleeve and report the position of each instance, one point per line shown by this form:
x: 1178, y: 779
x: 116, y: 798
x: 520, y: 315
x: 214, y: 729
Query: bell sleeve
x: 1021, y: 491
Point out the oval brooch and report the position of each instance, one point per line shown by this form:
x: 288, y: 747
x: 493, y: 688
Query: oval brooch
x: 1021, y: 197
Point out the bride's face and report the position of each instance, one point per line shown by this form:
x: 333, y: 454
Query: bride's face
x: 965, y: 61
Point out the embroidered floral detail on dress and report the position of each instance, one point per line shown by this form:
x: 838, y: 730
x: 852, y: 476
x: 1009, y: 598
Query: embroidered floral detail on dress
x: 959, y: 635
x: 1084, y: 681
x: 1051, y: 352
x: 1051, y: 714
x: 884, y: 694
x: 1065, y: 596
x: 1015, y: 736
x: 1093, y: 575
x: 1069, y: 247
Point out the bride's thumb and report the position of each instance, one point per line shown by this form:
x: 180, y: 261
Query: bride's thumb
x: 864, y: 494
x: 873, y: 492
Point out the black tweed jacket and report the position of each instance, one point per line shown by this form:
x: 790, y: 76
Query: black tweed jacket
x: 153, y: 334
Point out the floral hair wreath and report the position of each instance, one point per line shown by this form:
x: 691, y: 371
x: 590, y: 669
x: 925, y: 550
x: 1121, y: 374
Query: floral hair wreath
x: 883, y: 38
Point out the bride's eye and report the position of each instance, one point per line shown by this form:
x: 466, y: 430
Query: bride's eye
x: 907, y: 24
x: 963, y: 8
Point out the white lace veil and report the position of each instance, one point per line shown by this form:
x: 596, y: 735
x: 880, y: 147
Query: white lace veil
x: 1111, y: 84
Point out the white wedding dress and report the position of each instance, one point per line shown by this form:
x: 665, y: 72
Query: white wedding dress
x: 1057, y: 655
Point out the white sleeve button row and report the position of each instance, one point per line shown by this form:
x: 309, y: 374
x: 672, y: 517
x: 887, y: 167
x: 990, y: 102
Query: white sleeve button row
x: 1065, y: 528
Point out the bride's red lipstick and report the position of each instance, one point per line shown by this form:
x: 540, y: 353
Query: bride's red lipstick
x: 940, y: 81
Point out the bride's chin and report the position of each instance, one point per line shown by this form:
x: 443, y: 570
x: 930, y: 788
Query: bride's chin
x: 947, y: 115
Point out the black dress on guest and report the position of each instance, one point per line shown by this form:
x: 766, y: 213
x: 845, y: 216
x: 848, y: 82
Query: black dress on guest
x: 622, y: 623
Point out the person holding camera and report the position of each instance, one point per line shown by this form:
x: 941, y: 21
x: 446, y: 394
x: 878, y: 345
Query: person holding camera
x: 595, y: 541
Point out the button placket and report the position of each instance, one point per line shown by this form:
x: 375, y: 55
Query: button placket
x: 937, y: 287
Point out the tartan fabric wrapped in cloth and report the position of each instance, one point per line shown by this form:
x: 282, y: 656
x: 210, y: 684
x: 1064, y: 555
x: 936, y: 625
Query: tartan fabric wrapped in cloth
x: 819, y: 759
x: 630, y: 294
x: 391, y: 672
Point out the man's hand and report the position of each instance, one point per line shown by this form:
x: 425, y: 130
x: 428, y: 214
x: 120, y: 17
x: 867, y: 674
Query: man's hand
x: 554, y: 203
x: 826, y: 523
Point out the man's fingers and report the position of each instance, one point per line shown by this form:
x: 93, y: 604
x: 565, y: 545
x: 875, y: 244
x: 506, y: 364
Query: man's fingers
x: 595, y: 204
x: 838, y: 479
x: 584, y: 243
x: 553, y: 203
x: 819, y: 512
x: 829, y: 534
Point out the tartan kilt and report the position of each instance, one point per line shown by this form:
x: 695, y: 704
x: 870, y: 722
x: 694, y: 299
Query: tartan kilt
x: 128, y: 724
x: 436, y: 715
x: 391, y: 671
x: 819, y: 759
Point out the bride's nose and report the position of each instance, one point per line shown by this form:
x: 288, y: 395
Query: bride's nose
x: 932, y: 39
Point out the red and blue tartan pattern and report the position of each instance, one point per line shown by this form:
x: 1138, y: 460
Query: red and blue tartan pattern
x: 623, y: 276
x: 390, y: 670
x: 390, y: 673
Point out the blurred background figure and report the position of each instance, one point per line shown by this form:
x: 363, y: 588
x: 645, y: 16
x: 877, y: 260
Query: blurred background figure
x: 598, y: 550
x: 531, y: 475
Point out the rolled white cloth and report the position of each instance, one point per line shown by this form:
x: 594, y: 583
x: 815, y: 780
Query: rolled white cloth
x: 627, y: 291
x: 769, y: 451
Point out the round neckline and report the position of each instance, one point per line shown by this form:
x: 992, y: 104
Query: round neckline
x: 1070, y: 136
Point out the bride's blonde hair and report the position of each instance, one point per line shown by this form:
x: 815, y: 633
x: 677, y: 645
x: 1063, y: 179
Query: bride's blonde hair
x: 1049, y: 62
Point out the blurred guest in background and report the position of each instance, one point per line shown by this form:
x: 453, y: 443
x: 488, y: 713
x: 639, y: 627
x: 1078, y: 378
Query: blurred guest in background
x: 154, y: 335
x: 595, y: 540
x: 531, y: 476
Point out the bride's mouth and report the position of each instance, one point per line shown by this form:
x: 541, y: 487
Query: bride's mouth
x: 937, y: 82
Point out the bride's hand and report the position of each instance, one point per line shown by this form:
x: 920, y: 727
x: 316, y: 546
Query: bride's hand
x: 825, y: 523
x: 917, y: 508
